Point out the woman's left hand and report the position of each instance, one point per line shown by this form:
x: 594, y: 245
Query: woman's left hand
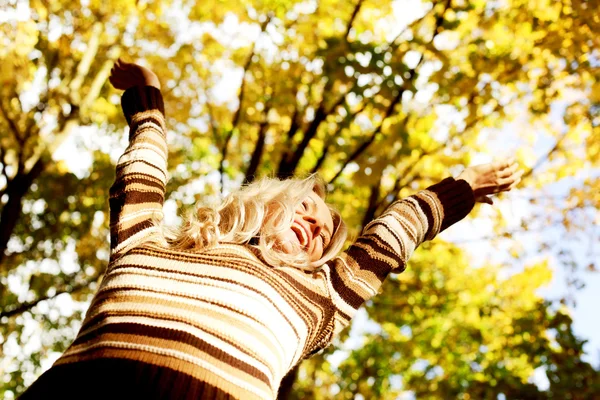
x: 488, y: 179
x: 124, y: 75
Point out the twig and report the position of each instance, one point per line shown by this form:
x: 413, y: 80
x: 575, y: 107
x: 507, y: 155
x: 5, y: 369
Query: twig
x: 11, y: 311
x: 352, y: 17
x: 238, y: 111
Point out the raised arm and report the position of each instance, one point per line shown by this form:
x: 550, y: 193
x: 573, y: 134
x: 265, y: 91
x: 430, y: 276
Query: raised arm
x: 137, y: 196
x: 387, y: 242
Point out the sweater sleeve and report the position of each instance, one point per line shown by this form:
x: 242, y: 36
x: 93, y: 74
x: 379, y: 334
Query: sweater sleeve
x: 387, y: 243
x: 137, y: 196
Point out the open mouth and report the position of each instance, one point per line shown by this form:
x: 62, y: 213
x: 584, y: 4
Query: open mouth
x: 301, y: 235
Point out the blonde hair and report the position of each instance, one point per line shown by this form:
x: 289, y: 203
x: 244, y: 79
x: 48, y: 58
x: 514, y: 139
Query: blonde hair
x: 255, y: 215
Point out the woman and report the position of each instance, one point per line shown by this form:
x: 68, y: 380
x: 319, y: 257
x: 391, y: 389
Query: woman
x: 227, y: 305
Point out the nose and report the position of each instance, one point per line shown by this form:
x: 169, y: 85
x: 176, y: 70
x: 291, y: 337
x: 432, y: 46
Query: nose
x: 315, y: 225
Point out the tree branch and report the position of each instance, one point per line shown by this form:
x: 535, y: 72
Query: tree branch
x: 16, y: 190
x: 18, y: 309
x: 167, y: 91
x: 399, y: 184
x: 101, y: 77
x: 332, y: 137
x: 294, y: 125
x: 374, y: 134
x: 238, y: 111
x: 66, y: 123
x: 372, y: 207
x: 84, y: 65
x: 289, y: 164
x: 546, y: 157
x: 259, y: 147
x: 323, y: 155
x: 12, y: 124
x: 407, y: 179
x: 352, y: 18
x: 3, y: 165
x: 211, y: 121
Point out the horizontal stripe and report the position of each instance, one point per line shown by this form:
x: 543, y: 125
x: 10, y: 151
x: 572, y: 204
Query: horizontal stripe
x: 136, y: 197
x: 257, y: 341
x: 222, y: 314
x: 134, y: 379
x: 219, y: 306
x: 140, y: 179
x: 127, y: 166
x: 178, y: 337
x: 150, y: 120
x: 121, y: 235
x: 169, y: 283
x: 150, y: 353
x: 174, y: 325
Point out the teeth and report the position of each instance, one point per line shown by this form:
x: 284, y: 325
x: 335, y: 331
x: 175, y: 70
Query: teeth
x: 304, y: 239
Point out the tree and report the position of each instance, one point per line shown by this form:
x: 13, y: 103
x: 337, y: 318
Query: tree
x: 55, y: 64
x: 448, y: 330
x: 379, y: 102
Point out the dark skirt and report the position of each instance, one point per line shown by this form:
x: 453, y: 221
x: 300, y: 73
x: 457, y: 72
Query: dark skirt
x: 113, y: 379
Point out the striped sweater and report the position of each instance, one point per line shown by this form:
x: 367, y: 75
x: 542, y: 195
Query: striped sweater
x: 220, y: 323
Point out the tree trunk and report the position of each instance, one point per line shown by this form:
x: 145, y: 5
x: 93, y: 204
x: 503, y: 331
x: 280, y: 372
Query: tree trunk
x: 16, y: 190
x: 373, y: 201
x: 257, y: 153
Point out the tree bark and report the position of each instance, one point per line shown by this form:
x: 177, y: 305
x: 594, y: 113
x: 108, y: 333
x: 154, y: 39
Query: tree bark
x: 16, y: 189
x: 373, y: 201
x: 288, y: 165
x: 257, y: 153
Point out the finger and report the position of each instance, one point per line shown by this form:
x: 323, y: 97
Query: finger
x: 504, y: 184
x: 485, y: 199
x: 116, y: 82
x: 510, y: 170
x: 515, y: 175
x: 501, y: 164
x: 514, y: 185
x: 122, y: 64
x: 518, y: 175
x: 509, y: 183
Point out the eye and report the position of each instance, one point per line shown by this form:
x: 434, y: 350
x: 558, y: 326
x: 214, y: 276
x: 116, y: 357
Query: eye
x: 323, y: 238
x: 305, y: 205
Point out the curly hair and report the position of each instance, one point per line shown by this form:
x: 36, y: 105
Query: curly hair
x: 256, y: 215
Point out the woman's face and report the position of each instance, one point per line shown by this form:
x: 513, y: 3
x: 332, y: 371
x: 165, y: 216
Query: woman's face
x: 312, y: 228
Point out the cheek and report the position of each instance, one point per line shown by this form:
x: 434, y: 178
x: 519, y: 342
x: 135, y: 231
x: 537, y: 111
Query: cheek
x: 317, y: 252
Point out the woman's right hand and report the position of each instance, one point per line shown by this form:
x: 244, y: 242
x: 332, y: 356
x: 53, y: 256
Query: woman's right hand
x: 487, y: 179
x: 124, y: 75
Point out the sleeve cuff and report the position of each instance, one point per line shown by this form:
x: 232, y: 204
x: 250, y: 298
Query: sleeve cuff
x: 141, y: 98
x: 457, y: 200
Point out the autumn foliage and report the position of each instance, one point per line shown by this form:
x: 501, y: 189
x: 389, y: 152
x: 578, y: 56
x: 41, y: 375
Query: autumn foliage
x: 381, y: 98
